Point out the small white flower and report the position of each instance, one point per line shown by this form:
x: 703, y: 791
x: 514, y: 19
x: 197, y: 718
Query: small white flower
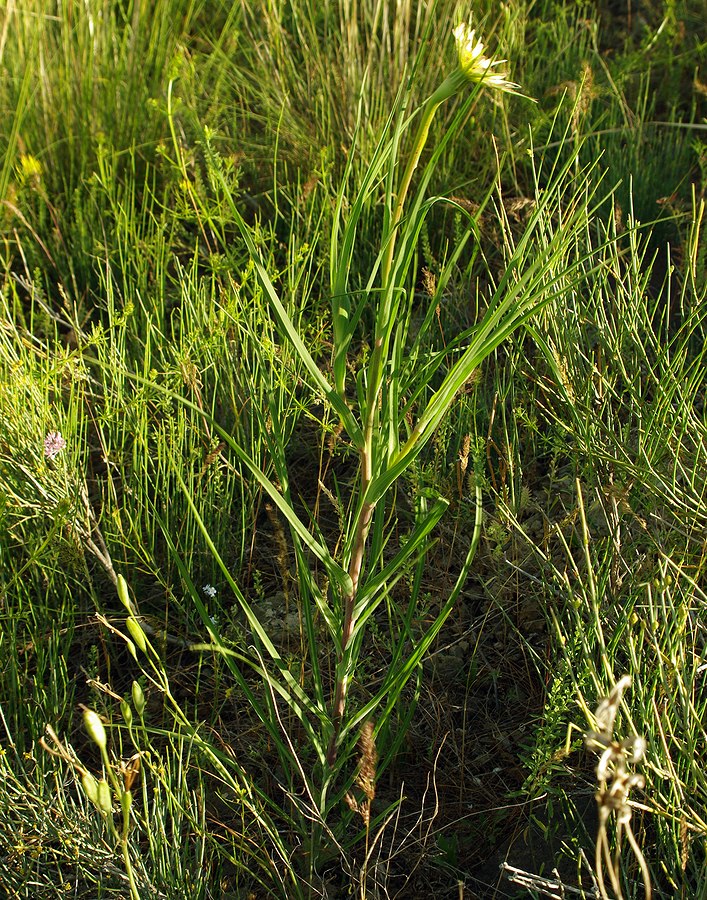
x: 209, y: 590
x: 54, y: 443
x: 475, y: 65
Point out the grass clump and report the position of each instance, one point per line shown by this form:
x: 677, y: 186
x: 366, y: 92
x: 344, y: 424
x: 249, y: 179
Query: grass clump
x: 352, y: 449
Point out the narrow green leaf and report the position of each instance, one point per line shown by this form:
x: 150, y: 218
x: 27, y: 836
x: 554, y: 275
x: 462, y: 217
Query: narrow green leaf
x: 332, y: 396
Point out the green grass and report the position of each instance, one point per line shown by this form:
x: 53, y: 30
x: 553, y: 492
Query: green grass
x: 201, y: 246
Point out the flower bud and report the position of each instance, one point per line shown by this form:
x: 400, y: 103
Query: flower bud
x: 94, y: 727
x: 123, y: 594
x: 105, y: 801
x: 138, y: 698
x: 137, y: 634
x: 90, y: 787
x: 126, y: 712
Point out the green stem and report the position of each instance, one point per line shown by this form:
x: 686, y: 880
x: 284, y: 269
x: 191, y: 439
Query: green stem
x: 128, y: 865
x: 362, y: 527
x: 449, y: 87
x: 125, y: 798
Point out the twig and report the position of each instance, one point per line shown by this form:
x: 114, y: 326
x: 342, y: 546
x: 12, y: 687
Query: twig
x: 551, y: 887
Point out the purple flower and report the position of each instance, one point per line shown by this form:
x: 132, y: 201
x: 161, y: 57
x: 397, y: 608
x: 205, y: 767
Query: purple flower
x: 54, y: 443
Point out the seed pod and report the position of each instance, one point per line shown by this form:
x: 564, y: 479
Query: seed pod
x: 126, y: 712
x: 105, y: 801
x: 90, y: 787
x: 136, y: 632
x: 94, y: 727
x: 126, y: 799
x: 123, y: 594
x: 138, y: 698
x: 131, y: 648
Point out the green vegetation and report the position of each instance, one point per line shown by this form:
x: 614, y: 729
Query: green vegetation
x: 353, y: 449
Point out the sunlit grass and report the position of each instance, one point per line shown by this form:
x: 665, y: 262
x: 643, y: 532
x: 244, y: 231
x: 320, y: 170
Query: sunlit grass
x: 208, y: 237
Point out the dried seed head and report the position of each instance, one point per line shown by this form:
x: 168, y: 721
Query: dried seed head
x: 130, y: 771
x: 366, y: 778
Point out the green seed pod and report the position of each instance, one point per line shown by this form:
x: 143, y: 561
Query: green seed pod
x: 105, y: 801
x: 90, y: 787
x: 123, y: 594
x: 126, y: 799
x: 137, y: 634
x: 94, y: 727
x: 126, y: 712
x: 138, y: 698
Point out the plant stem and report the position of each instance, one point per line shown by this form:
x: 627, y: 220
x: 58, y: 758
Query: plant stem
x: 443, y: 92
x: 362, y: 527
x: 129, y: 866
x: 446, y: 89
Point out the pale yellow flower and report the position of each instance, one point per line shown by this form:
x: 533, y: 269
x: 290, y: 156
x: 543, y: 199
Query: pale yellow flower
x: 476, y: 66
x: 29, y: 170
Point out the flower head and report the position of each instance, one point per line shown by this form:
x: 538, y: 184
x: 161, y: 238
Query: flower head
x: 54, y: 443
x: 209, y: 590
x: 476, y: 66
x: 30, y: 170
